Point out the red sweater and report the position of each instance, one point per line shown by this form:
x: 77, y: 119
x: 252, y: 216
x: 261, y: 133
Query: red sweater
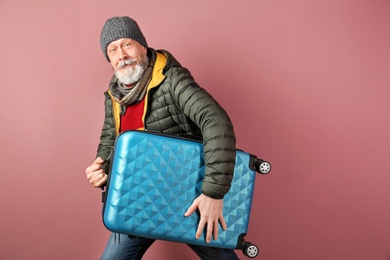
x: 132, y: 119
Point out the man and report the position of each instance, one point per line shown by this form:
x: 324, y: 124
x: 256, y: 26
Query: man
x: 151, y: 90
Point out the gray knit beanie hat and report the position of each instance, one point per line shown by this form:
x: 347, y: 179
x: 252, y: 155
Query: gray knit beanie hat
x: 116, y: 28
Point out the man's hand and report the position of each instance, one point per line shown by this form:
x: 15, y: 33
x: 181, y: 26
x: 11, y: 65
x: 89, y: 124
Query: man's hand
x: 95, y: 174
x: 210, y: 213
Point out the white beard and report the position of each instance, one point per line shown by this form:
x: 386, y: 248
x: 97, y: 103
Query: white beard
x: 131, y: 75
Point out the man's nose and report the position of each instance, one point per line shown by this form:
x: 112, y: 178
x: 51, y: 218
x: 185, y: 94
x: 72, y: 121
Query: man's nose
x: 121, y: 54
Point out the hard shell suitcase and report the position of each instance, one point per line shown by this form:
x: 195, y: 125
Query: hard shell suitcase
x: 153, y: 180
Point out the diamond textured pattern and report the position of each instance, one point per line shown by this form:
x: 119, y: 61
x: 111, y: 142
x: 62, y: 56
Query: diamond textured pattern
x: 154, y: 179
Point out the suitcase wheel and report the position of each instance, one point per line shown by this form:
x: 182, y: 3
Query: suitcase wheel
x: 263, y: 167
x: 250, y: 250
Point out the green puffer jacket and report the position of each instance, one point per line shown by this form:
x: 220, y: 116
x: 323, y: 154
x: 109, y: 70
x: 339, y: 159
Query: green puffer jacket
x: 176, y: 104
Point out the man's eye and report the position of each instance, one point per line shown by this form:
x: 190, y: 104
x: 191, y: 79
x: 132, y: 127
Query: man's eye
x: 127, y: 44
x: 112, y: 50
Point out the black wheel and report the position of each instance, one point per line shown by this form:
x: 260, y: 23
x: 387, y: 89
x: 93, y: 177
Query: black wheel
x: 264, y: 167
x: 250, y: 250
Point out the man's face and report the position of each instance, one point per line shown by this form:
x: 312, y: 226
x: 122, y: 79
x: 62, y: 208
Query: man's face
x: 128, y: 59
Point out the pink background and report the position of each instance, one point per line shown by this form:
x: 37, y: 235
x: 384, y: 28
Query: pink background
x: 306, y: 84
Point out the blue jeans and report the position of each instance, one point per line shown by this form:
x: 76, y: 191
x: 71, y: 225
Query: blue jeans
x: 121, y: 247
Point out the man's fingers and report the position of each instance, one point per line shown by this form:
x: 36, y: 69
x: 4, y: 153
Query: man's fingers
x: 95, y: 174
x: 92, y: 168
x: 102, y: 181
x: 209, y: 231
x: 99, y: 179
x: 209, y: 211
x: 215, y: 230
x: 192, y: 208
x: 96, y: 166
x: 199, y: 231
x: 223, y: 223
x: 189, y: 211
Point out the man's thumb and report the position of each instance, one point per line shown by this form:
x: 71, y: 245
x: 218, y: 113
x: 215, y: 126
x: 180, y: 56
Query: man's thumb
x: 99, y: 160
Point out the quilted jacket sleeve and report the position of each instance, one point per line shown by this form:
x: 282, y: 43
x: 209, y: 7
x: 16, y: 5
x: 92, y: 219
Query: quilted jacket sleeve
x: 108, y: 134
x: 216, y: 127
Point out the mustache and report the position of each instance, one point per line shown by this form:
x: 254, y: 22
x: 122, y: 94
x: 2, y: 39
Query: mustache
x: 126, y: 62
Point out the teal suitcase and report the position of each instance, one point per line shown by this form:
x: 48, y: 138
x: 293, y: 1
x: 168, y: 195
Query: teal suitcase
x: 153, y: 180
